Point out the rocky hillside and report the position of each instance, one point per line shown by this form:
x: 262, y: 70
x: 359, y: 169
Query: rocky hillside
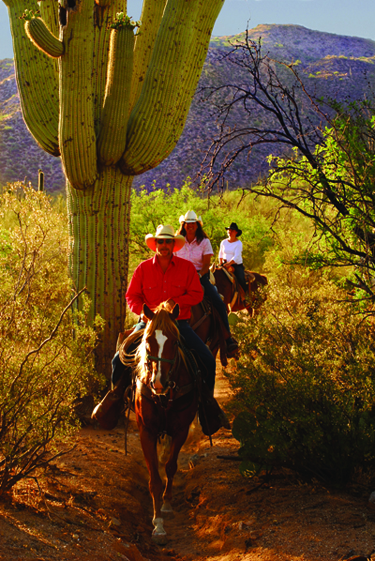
x: 331, y: 66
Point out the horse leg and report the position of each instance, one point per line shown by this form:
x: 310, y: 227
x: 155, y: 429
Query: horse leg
x: 148, y: 442
x: 171, y: 468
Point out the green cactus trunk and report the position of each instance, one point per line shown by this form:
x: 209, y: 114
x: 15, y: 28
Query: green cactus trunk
x: 99, y: 251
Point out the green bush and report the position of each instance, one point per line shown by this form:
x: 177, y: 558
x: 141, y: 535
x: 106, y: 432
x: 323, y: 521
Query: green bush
x: 305, y: 384
x: 165, y: 207
x: 45, y: 349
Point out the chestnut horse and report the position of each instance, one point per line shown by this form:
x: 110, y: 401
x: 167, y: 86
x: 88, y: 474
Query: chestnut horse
x: 228, y: 289
x: 166, y: 402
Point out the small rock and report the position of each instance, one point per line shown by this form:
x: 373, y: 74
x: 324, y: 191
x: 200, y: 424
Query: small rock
x: 115, y: 521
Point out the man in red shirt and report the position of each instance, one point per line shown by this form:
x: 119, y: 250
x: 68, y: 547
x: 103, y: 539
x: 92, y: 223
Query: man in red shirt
x: 168, y: 278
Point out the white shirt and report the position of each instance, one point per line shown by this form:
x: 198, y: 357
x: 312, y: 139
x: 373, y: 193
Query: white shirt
x: 231, y: 251
x: 194, y: 252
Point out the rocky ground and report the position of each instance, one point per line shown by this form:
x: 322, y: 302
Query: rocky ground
x: 94, y: 505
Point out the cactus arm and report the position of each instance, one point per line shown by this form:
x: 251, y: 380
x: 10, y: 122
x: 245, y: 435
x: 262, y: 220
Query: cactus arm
x: 104, y: 14
x: 112, y: 137
x: 190, y: 75
x: 76, y: 124
x: 50, y: 15
x: 154, y: 124
x: 152, y: 13
x: 36, y: 81
x: 40, y: 35
x: 160, y: 88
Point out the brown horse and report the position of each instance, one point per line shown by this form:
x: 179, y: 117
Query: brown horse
x: 206, y: 323
x: 166, y: 402
x: 233, y: 294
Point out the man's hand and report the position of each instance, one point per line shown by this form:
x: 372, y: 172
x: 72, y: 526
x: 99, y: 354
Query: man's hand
x: 170, y: 304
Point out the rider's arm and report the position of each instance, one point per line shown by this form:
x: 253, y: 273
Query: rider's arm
x: 206, y: 262
x: 221, y: 253
x: 134, y: 294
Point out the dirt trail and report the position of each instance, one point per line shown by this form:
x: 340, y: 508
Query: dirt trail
x: 94, y: 505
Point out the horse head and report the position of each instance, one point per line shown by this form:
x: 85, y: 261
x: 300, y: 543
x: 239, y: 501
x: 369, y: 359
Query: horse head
x: 158, y: 351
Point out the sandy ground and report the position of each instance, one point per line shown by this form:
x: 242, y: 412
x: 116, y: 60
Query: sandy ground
x: 94, y: 505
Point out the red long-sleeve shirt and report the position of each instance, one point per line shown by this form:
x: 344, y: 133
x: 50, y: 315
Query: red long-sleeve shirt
x: 149, y: 285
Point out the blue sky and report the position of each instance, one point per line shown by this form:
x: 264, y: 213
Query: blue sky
x: 344, y: 17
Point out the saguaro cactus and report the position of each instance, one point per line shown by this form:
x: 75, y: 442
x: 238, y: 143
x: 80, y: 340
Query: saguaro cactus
x: 112, y: 104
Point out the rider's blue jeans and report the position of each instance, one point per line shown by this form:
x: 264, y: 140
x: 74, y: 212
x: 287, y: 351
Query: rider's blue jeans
x: 214, y: 296
x: 192, y: 341
x: 239, y: 271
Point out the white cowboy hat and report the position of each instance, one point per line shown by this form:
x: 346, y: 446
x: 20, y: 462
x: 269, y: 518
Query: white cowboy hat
x: 190, y: 216
x: 165, y: 232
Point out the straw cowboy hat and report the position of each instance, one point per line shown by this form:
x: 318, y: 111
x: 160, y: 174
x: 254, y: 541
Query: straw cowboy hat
x: 165, y: 232
x: 234, y: 226
x: 190, y: 216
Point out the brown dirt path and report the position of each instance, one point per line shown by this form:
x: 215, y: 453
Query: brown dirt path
x: 94, y: 505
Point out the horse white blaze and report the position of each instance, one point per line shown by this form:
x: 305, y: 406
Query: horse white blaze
x: 161, y: 339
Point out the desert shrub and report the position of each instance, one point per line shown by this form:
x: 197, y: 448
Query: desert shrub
x: 45, y: 349
x: 305, y: 384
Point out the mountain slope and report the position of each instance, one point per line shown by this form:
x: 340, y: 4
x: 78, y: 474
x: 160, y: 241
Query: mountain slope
x: 330, y: 65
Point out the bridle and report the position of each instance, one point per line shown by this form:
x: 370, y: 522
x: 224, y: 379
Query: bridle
x: 171, y: 384
x: 160, y: 359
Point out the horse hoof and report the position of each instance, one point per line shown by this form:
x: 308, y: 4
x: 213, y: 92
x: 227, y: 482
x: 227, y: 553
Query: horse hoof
x: 167, y: 511
x: 159, y: 539
x: 159, y: 535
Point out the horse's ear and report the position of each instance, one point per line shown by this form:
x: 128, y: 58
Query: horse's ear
x: 176, y: 311
x: 147, y: 312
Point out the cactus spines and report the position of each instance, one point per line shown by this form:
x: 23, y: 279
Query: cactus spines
x: 40, y: 35
x: 151, y: 16
x: 113, y: 103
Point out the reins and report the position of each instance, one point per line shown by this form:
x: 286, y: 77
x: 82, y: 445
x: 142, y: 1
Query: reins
x: 160, y: 359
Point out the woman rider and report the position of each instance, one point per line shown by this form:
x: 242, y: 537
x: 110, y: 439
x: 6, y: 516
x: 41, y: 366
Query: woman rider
x: 198, y: 250
x: 230, y: 254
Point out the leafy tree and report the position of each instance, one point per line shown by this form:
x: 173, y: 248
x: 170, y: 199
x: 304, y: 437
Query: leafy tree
x: 327, y: 172
x: 113, y: 106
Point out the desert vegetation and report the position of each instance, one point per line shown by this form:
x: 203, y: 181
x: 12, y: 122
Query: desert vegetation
x: 303, y: 387
x: 46, y: 349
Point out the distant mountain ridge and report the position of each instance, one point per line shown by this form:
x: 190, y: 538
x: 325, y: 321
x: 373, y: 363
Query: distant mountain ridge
x: 331, y: 65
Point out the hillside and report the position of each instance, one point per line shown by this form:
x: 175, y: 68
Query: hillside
x: 331, y: 66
